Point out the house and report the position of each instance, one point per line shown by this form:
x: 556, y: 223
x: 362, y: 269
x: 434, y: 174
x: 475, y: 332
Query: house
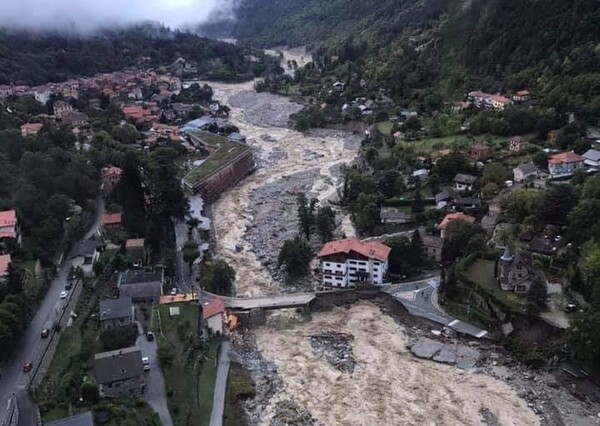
x: 75, y: 118
x: 339, y: 86
x: 213, y: 316
x: 134, y: 249
x: 463, y: 182
x: 591, y: 158
x: 433, y: 247
x: 436, y: 155
x: 564, y: 164
x: 394, y: 215
x: 349, y: 263
x: 542, y: 246
x: 83, y: 419
x: 111, y: 220
x: 446, y: 197
x: 116, y: 312
x: 141, y: 286
x: 5, y: 260
x: 84, y: 255
x: 521, y: 96
x: 488, y: 101
x: 451, y: 217
x: 60, y: 108
x: 515, y: 272
x: 9, y: 226
x: 31, y: 129
x: 517, y: 144
x: 110, y: 178
x: 421, y: 174
x: 479, y: 152
x: 120, y: 373
x: 552, y: 136
x: 525, y: 172
x: 201, y: 123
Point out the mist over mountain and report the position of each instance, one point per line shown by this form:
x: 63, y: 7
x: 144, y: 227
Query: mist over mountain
x: 84, y: 16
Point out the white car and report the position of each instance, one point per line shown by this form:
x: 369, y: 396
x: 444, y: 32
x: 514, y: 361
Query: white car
x: 145, y: 360
x: 174, y: 291
x: 64, y: 294
x: 147, y: 367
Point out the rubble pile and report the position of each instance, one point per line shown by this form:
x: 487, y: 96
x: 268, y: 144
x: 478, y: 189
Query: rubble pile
x: 288, y: 413
x: 336, y: 348
x: 488, y: 418
x: 264, y: 109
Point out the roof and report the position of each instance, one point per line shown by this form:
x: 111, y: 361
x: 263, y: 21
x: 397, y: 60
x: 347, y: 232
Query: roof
x: 463, y: 178
x: 121, y: 364
x: 372, y: 250
x: 136, y: 276
x: 83, y: 419
x: 4, y: 262
x: 542, y: 246
x: 135, y: 243
x: 8, y: 220
x: 447, y: 194
x: 433, y: 242
x: 111, y: 219
x: 115, y: 308
x: 565, y: 157
x: 84, y: 248
x: 480, y: 146
x: 518, y: 139
x: 212, y: 308
x: 197, y: 124
x: 527, y: 168
x: 421, y: 172
x: 111, y: 171
x: 592, y: 155
x: 33, y: 127
x: 451, y: 217
x: 140, y: 284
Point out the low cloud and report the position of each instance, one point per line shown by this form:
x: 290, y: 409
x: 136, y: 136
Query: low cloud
x: 89, y: 15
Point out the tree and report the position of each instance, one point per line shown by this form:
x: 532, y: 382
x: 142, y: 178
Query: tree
x: 89, y: 393
x: 540, y: 159
x: 14, y: 281
x: 417, y: 250
x: 450, y: 284
x: 556, y: 204
x: 222, y: 278
x: 325, y: 223
x: 521, y: 204
x: 296, y: 255
x: 458, y: 235
x: 576, y: 280
x: 118, y: 337
x: 494, y: 173
x: 584, y: 337
x: 366, y: 212
x: 537, y: 298
x: 306, y: 214
x: 131, y: 194
x: 192, y: 223
x: 190, y: 253
x: 417, y: 203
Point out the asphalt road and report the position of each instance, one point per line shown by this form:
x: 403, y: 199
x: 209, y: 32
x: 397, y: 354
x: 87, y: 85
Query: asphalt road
x: 216, y: 417
x: 155, y: 393
x: 31, y: 347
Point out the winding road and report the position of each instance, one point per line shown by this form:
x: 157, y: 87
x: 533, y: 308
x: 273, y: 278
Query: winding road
x: 31, y: 347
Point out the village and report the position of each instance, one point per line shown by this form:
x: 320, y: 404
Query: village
x: 452, y: 256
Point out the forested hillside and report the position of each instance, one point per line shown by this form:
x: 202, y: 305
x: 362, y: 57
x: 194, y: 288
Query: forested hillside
x: 27, y: 58
x: 443, y: 48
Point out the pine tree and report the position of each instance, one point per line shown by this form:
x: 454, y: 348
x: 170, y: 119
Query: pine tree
x: 537, y: 298
x: 417, y: 250
x: 417, y: 204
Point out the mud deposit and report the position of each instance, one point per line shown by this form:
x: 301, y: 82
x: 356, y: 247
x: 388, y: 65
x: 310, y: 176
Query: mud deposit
x: 388, y: 385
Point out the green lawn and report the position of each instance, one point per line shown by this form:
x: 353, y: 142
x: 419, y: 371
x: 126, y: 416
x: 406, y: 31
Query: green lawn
x: 481, y: 272
x: 428, y: 145
x: 385, y: 127
x: 190, y: 371
x: 239, y: 388
x: 224, y: 152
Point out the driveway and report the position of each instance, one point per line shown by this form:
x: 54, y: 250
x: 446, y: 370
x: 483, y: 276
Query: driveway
x: 155, y: 394
x: 31, y: 347
x: 216, y: 417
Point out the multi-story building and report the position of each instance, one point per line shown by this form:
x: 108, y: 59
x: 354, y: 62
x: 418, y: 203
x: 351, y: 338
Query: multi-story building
x: 120, y: 373
x: 116, y: 312
x: 564, y: 164
x: 9, y: 226
x: 351, y: 263
x: 110, y: 178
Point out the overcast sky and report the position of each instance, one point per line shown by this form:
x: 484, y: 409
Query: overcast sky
x: 90, y: 14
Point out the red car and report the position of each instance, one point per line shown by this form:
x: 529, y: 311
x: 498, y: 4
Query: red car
x: 27, y: 367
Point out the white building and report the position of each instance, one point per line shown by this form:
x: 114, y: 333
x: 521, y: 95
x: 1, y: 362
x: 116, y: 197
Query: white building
x: 349, y: 263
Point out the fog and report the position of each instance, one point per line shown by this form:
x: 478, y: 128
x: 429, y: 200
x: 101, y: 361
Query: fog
x: 89, y: 15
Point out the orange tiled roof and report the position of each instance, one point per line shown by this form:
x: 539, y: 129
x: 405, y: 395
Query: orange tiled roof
x: 451, y: 217
x: 565, y: 157
x: 372, y: 250
x: 111, y: 219
x: 212, y: 308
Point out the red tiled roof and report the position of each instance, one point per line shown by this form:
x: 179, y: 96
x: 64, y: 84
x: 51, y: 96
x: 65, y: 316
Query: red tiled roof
x: 111, y: 171
x: 480, y: 146
x: 31, y: 128
x: 111, y: 219
x: 4, y: 262
x: 372, y: 250
x: 565, y: 157
x: 212, y: 308
x: 134, y: 242
x: 8, y: 220
x: 451, y: 217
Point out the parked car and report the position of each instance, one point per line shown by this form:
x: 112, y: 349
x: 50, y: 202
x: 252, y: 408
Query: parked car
x: 571, y: 307
x: 145, y: 360
x: 174, y: 291
x: 45, y: 333
x: 146, y: 367
x: 27, y: 367
x: 64, y: 294
x: 68, y: 285
x: 150, y: 336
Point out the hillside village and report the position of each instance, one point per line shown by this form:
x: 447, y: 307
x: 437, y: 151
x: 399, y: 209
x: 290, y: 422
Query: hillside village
x: 466, y: 223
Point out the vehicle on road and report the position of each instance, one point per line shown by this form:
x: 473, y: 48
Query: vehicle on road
x: 64, y: 294
x: 147, y: 367
x: 174, y: 291
x: 571, y: 307
x: 47, y: 330
x: 68, y: 285
x: 27, y: 367
x: 45, y: 333
x: 150, y: 336
x: 145, y: 360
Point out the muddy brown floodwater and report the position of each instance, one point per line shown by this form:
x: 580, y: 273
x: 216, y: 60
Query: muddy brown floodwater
x: 388, y: 386
x: 281, y: 153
